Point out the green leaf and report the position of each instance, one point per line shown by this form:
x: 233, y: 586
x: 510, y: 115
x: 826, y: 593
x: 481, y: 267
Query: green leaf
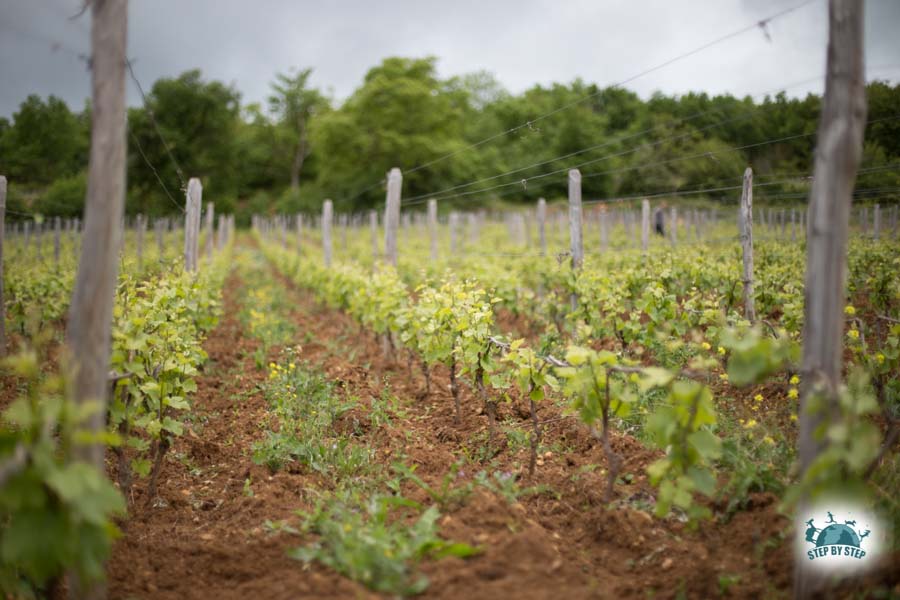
x: 707, y: 444
x: 655, y: 377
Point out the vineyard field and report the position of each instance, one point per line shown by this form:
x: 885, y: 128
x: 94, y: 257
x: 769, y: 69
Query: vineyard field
x: 459, y: 425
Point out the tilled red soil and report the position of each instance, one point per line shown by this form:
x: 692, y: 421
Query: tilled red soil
x: 204, y: 537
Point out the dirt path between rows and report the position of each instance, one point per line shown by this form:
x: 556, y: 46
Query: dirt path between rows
x: 205, y: 537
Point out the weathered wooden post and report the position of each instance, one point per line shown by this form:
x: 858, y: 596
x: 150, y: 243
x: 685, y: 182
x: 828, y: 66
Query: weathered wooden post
x: 210, y: 223
x: 837, y: 157
x: 575, y: 226
x: 876, y: 222
x: 645, y: 224
x: 454, y: 232
x: 299, y: 224
x: 89, y: 327
x: 432, y: 228
x: 392, y: 215
x: 373, y: 229
x: 472, y: 220
x: 139, y: 234
x: 673, y: 225
x: 604, y: 229
x: 747, y: 244
x: 56, y: 234
x: 327, y: 216
x: 2, y: 240
x: 192, y: 224
x: 542, y: 225
x: 158, y: 232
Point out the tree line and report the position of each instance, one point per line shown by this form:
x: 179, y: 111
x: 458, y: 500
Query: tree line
x: 301, y: 146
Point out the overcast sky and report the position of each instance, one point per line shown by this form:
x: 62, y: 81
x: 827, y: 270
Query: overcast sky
x: 523, y: 42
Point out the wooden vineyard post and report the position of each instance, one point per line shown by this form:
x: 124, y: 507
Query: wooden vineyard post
x: 472, y: 222
x: 139, y: 234
x: 432, y: 228
x: 89, y: 328
x: 542, y: 225
x: 837, y: 159
x: 876, y: 222
x: 673, y: 225
x: 392, y: 215
x: 747, y: 243
x: 2, y: 236
x: 192, y: 224
x: 299, y: 232
x: 604, y: 229
x: 210, y: 221
x: 373, y: 230
x: 645, y: 224
x: 158, y: 230
x: 454, y: 227
x: 327, y: 216
x: 575, y: 225
x: 220, y: 231
x: 56, y: 234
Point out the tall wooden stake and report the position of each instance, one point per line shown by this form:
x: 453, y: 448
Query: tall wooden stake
x: 392, y: 215
x: 645, y: 224
x: 327, y: 216
x: 192, y: 224
x: 89, y: 328
x: 432, y: 228
x: 575, y: 230
x: 542, y: 225
x: 747, y: 243
x: 210, y: 221
x: 837, y: 159
x: 139, y: 231
x: 2, y: 235
x: 373, y: 233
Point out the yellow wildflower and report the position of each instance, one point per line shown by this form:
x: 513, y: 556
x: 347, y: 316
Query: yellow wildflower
x: 768, y: 439
x: 793, y: 394
x: 724, y: 376
x: 880, y: 358
x: 794, y: 418
x: 849, y: 310
x: 750, y: 424
x: 758, y: 397
x: 721, y: 350
x: 795, y: 380
x: 853, y: 333
x: 705, y: 346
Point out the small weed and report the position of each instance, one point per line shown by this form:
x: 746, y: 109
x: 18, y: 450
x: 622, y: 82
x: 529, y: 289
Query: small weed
x: 367, y: 541
x: 726, y: 581
x: 451, y: 494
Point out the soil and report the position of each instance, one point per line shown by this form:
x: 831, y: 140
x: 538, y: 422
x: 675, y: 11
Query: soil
x: 204, y: 535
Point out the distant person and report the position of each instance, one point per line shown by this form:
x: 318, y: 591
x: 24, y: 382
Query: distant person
x: 659, y: 218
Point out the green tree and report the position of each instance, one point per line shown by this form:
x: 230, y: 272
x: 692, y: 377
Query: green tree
x: 45, y: 141
x: 198, y: 120
x: 293, y: 103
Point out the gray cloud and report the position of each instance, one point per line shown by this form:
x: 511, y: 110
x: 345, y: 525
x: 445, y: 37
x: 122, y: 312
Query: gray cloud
x: 523, y: 42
